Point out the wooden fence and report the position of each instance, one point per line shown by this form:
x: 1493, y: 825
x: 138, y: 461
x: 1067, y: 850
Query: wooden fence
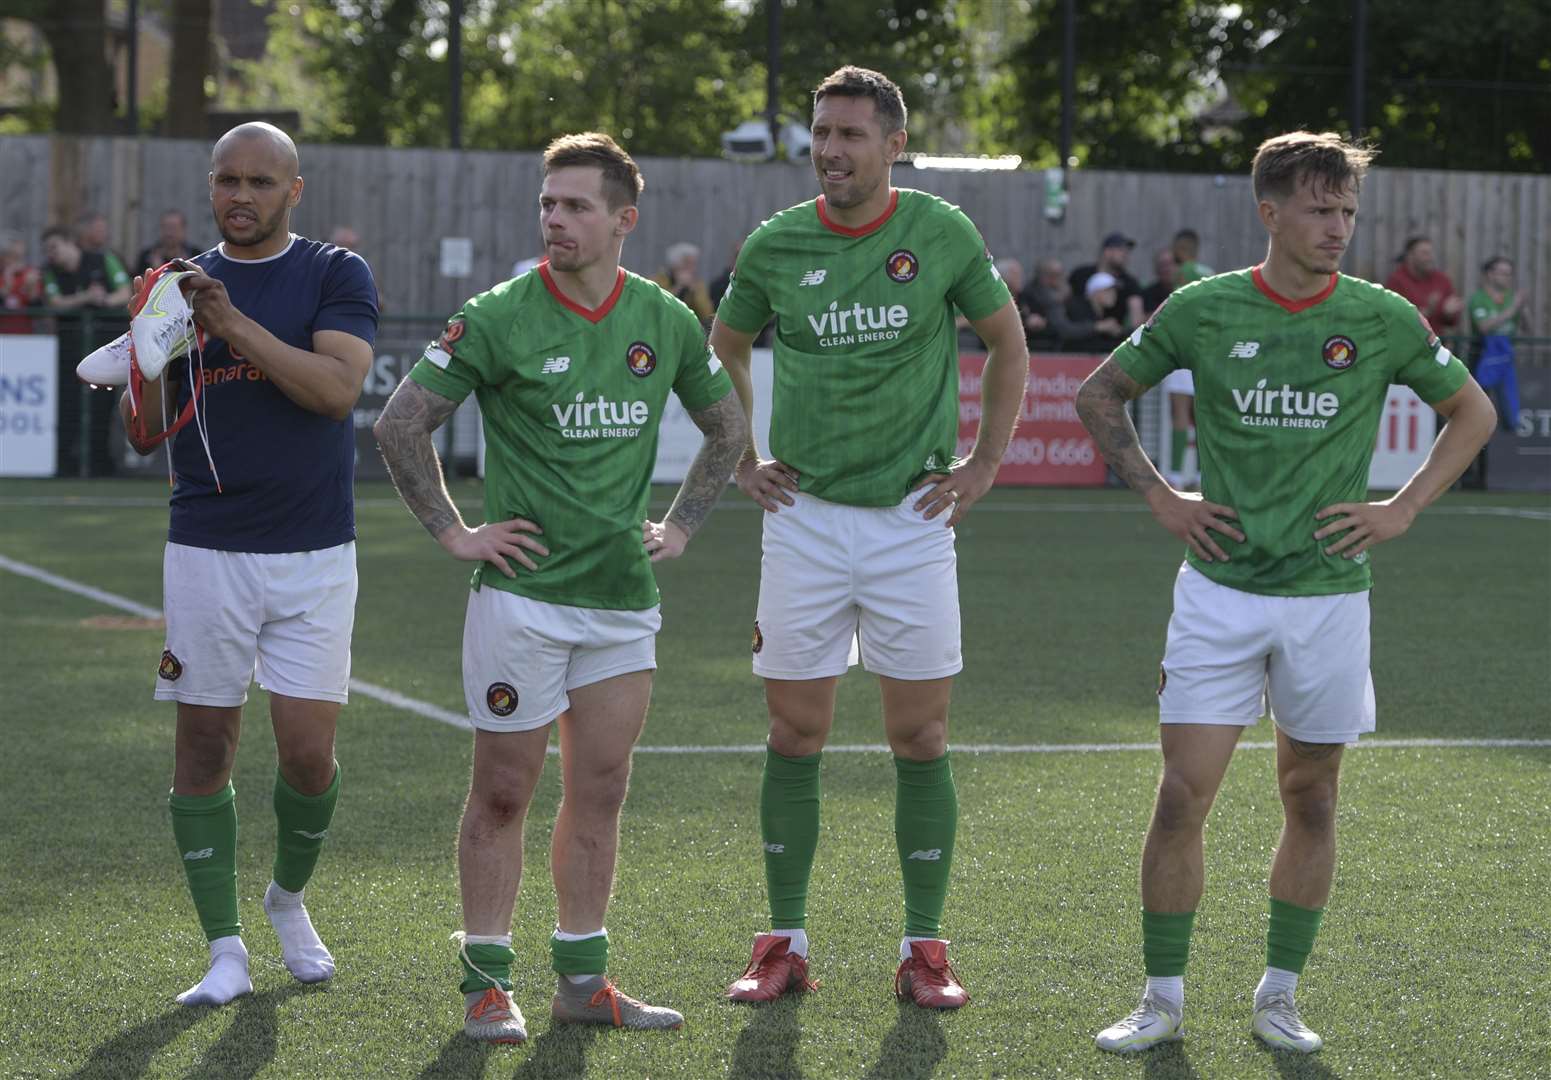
x: 403, y: 201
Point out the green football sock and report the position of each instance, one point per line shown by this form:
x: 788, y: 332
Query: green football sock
x: 1291, y: 936
x: 926, y: 820
x: 587, y: 956
x: 1166, y: 942
x: 1179, y: 439
x: 789, y: 826
x: 302, y: 824
x: 485, y: 966
x: 205, y: 827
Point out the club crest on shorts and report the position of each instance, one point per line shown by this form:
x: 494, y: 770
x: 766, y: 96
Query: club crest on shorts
x: 450, y: 336
x: 170, y: 667
x: 1163, y: 679
x: 759, y: 639
x: 902, y: 265
x: 640, y: 359
x: 501, y: 698
x: 1340, y: 352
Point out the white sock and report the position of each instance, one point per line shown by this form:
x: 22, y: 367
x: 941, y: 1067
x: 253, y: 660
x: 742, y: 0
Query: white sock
x: 904, y: 945
x: 227, y: 977
x: 1276, y: 981
x: 300, y: 947
x: 1169, y: 989
x: 796, y: 941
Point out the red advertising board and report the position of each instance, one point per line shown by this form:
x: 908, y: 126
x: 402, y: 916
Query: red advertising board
x: 1050, y: 448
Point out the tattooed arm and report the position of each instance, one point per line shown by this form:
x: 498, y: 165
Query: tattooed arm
x: 404, y: 436
x: 1101, y: 403
x: 726, y: 434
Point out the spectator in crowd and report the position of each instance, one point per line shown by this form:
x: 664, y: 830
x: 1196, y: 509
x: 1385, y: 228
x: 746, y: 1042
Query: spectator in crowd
x: 171, y: 242
x: 1186, y: 249
x: 21, y: 286
x: 1165, y: 270
x: 1417, y: 277
x: 95, y: 285
x: 1127, y: 305
x: 343, y: 236
x: 91, y: 232
x: 1497, y: 315
x: 1046, y: 297
x: 1034, y: 322
x: 681, y: 278
x: 1094, y: 328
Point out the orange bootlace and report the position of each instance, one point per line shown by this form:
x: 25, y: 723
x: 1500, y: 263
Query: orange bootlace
x: 607, y: 991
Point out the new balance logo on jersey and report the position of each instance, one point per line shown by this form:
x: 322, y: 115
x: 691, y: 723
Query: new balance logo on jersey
x: 1243, y: 350
x: 555, y: 365
x: 851, y: 325
x: 195, y: 856
x: 929, y: 855
x: 812, y: 277
x: 312, y: 835
x: 601, y: 418
x: 775, y: 849
x: 1285, y: 407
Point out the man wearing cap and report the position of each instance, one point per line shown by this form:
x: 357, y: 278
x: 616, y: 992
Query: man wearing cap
x: 1127, y: 304
x: 1094, y: 326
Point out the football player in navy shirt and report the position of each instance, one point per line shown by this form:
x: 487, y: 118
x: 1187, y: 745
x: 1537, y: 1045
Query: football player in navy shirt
x: 259, y: 573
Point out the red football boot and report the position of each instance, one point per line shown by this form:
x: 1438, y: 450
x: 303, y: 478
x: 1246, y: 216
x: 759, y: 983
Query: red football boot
x: 773, y: 970
x: 928, y: 978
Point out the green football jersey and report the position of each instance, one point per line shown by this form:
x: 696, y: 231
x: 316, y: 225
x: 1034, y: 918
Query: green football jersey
x: 571, y: 400
x: 1289, y: 396
x: 1483, y: 307
x: 866, y: 396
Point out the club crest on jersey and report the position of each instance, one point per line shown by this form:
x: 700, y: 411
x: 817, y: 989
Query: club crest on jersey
x: 501, y: 698
x: 902, y: 266
x: 759, y: 639
x: 170, y: 668
x: 1340, y: 352
x: 640, y: 359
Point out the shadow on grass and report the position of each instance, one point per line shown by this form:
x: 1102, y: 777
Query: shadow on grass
x: 913, y: 1046
x: 559, y: 1052
x: 767, y: 1045
x: 247, y: 1045
x: 1291, y: 1065
x: 1168, y: 1062
x: 461, y: 1057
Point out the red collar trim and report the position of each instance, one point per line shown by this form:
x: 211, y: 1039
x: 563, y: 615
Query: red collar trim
x: 592, y: 315
x: 1292, y: 306
x: 871, y: 226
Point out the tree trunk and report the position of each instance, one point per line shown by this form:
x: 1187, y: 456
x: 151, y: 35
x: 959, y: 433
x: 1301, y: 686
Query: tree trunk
x: 77, y: 34
x: 190, y: 67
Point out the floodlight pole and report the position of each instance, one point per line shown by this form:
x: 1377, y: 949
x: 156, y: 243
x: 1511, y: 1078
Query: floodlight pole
x: 773, y: 72
x: 132, y: 69
x: 1359, y: 63
x: 1068, y: 78
x: 455, y: 67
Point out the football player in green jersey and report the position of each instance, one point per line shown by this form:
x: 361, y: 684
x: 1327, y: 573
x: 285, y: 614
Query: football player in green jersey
x: 572, y: 364
x: 864, y: 475
x: 1292, y: 364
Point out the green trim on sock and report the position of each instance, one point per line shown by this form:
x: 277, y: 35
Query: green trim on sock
x: 1179, y: 441
x: 789, y: 798
x: 1166, y: 942
x: 926, y: 821
x: 494, y: 960
x: 589, y: 956
x: 205, y: 828
x: 1290, y: 938
x: 301, y: 826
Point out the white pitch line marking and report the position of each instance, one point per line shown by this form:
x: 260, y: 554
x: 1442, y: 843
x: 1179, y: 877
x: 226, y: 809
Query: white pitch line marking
x: 460, y: 720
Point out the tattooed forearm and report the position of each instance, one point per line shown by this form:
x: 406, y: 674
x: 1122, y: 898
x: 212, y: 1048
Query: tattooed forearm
x: 404, y: 436
x: 1101, y: 403
x: 726, y: 434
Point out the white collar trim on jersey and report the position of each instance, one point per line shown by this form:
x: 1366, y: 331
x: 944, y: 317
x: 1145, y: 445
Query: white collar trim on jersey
x: 221, y: 250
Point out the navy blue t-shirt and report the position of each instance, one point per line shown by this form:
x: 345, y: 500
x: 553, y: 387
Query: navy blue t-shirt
x: 287, y: 474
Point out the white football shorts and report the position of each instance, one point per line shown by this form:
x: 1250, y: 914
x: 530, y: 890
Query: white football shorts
x: 1179, y: 381
x: 232, y: 615
x: 521, y: 656
x: 833, y: 574
x: 1234, y: 656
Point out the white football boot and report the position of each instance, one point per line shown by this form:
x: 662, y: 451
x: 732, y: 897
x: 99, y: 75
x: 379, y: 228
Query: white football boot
x: 1278, y: 1025
x: 1150, y: 1023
